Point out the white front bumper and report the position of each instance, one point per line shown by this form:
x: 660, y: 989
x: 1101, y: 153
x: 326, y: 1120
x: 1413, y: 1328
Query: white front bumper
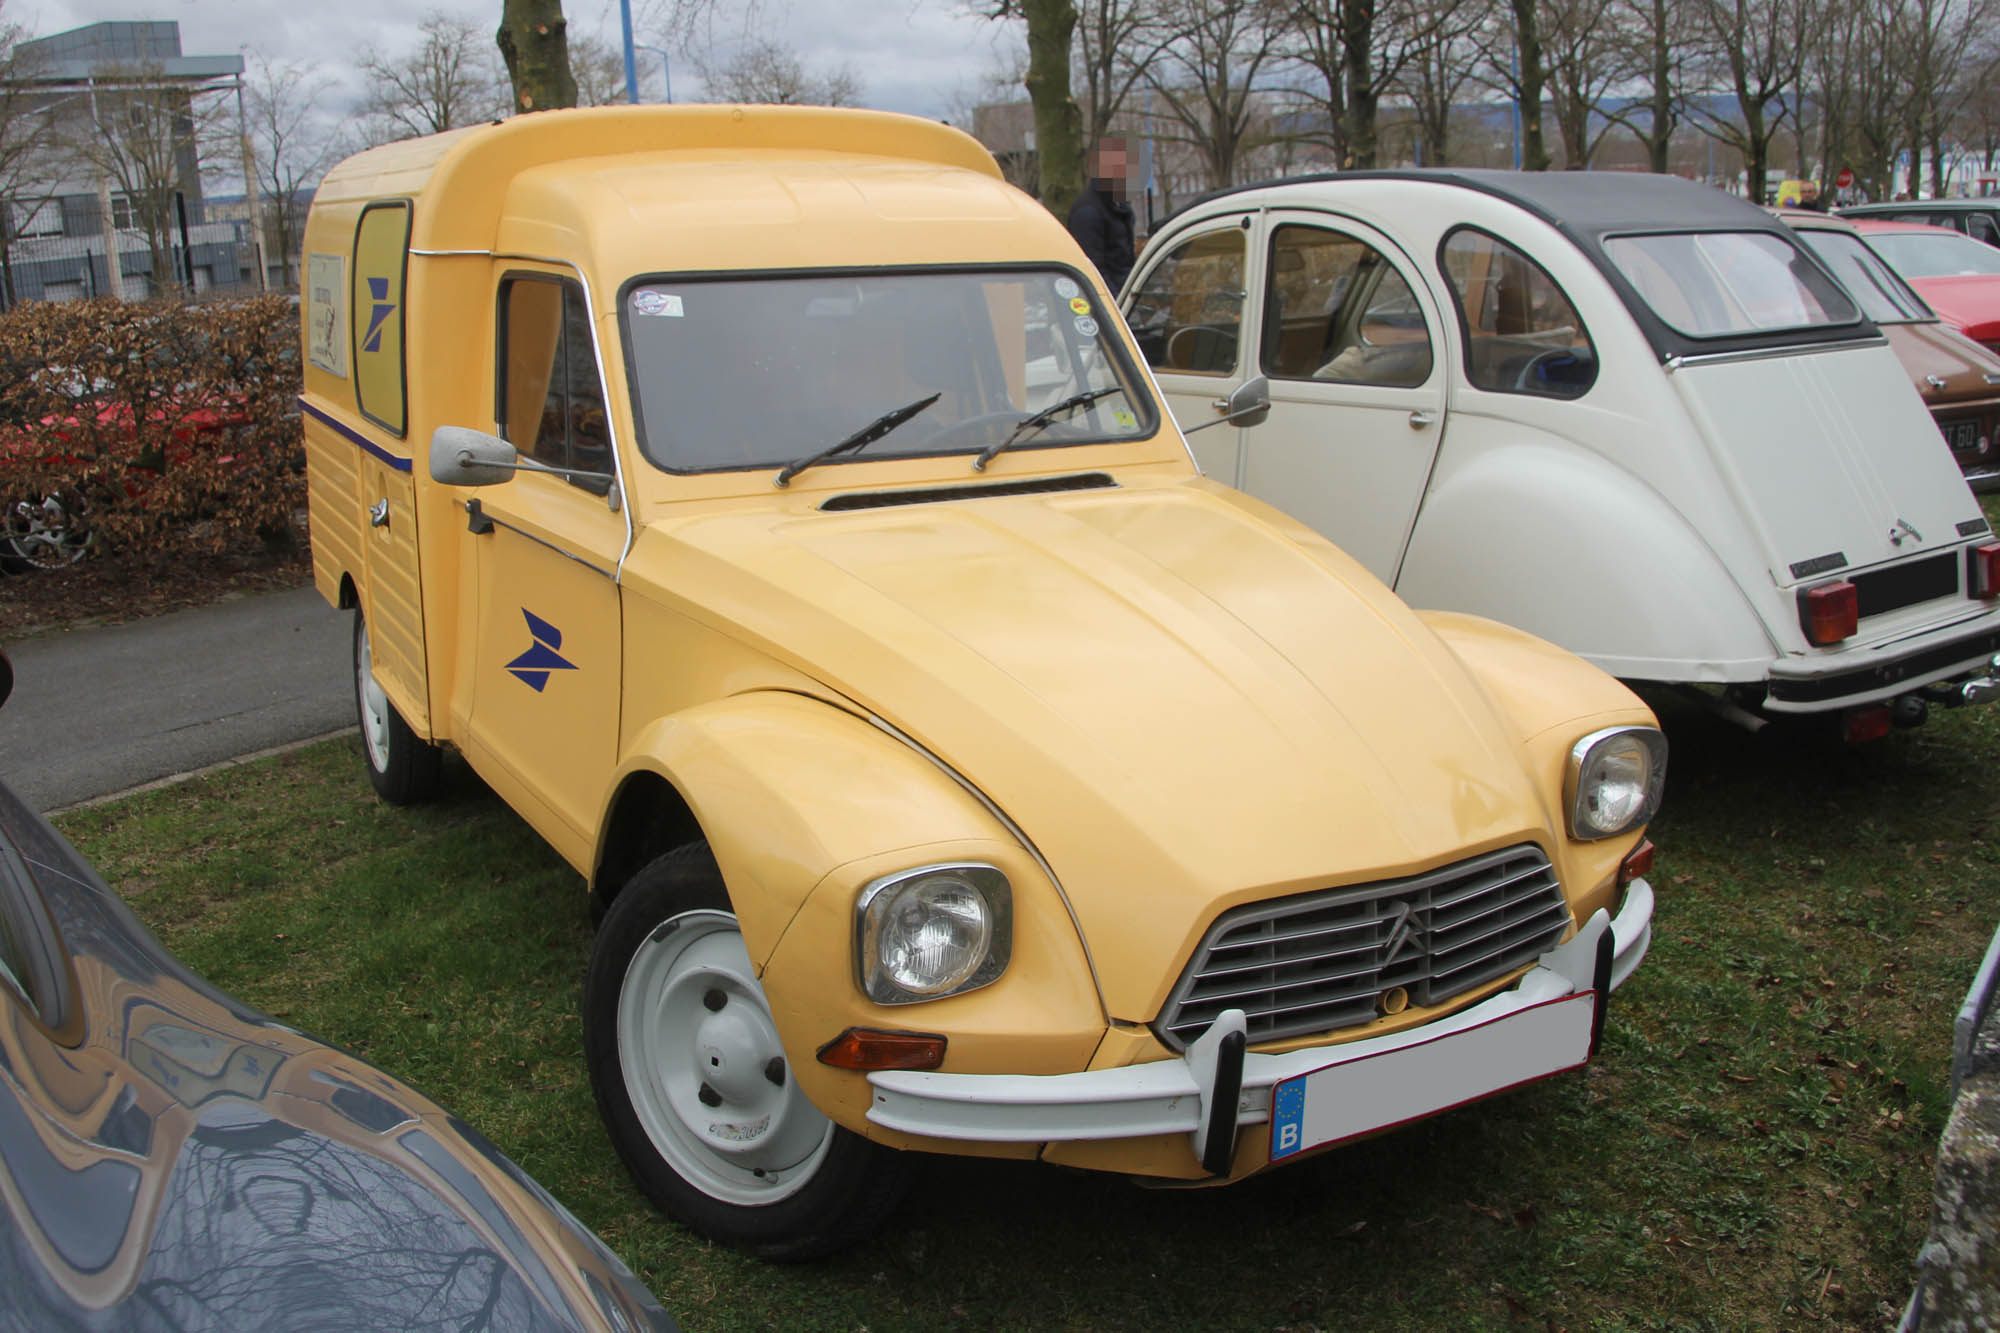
x: 1179, y: 1095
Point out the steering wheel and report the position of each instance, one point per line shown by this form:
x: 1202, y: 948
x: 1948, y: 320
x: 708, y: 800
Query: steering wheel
x: 979, y: 428
x: 1524, y: 379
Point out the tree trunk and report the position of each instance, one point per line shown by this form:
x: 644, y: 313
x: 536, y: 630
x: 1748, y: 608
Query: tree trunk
x: 1058, y: 122
x: 1660, y: 139
x: 1528, y: 81
x: 1357, y: 54
x: 534, y: 41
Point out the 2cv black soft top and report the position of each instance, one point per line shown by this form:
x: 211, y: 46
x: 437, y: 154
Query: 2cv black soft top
x: 1591, y: 206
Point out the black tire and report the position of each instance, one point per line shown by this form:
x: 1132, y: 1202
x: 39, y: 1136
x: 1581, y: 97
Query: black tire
x: 404, y: 768
x: 670, y: 936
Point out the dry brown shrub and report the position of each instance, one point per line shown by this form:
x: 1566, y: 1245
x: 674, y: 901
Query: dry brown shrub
x: 178, y: 425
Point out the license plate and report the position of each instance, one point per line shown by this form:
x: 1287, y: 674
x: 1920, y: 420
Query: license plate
x: 1962, y: 436
x: 1372, y: 1092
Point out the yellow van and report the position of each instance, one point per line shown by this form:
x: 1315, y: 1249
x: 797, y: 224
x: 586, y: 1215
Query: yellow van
x: 771, y: 505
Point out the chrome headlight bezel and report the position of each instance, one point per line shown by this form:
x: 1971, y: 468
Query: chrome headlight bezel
x: 1585, y: 774
x: 877, y: 899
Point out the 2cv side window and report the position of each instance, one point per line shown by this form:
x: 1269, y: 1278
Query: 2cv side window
x: 1521, y: 333
x: 1336, y: 309
x: 551, y: 401
x: 1188, y: 316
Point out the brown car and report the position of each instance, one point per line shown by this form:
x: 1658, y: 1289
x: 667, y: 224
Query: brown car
x: 1958, y: 378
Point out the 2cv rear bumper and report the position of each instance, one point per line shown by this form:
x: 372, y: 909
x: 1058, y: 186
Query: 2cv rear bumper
x: 1547, y: 1022
x: 1965, y: 657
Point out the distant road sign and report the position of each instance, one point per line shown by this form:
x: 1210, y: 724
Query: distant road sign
x: 1845, y: 180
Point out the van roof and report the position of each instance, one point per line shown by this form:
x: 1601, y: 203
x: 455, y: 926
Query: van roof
x: 474, y: 167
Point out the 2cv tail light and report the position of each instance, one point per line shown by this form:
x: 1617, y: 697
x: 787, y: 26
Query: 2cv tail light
x: 1830, y: 612
x: 1982, y: 570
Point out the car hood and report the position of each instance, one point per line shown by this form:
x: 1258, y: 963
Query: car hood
x: 1184, y: 699
x: 1969, y: 302
x: 1926, y: 348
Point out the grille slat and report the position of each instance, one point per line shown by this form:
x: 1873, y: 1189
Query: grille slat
x: 1319, y: 961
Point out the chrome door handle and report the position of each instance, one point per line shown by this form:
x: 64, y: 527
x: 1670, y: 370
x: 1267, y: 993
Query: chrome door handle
x: 378, y: 513
x: 1420, y: 419
x: 1220, y: 404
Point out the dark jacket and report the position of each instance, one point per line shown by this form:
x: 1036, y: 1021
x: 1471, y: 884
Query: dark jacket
x: 1103, y: 227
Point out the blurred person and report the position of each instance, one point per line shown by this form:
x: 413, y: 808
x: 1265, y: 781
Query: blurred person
x: 1101, y: 218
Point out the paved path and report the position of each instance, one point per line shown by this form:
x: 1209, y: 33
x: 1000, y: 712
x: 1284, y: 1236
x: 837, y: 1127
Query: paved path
x: 99, y: 710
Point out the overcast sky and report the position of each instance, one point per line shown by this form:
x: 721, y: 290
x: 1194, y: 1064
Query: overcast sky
x: 925, y: 57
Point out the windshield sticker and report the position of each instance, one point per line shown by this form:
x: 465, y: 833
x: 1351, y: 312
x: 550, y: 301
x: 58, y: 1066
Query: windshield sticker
x: 1124, y: 418
x: 1080, y: 305
x: 646, y: 301
x: 1066, y: 289
x: 1086, y: 326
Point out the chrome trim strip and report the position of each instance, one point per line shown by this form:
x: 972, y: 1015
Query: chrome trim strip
x: 890, y: 729
x: 451, y: 254
x: 518, y: 531
x: 1674, y: 363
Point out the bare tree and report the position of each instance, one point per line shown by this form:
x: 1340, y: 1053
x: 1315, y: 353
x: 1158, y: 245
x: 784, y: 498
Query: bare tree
x: 1653, y: 38
x: 1511, y: 44
x: 449, y: 81
x: 599, y: 70
x: 1433, y: 81
x: 772, y: 73
x: 1211, y: 73
x: 291, y: 144
x: 1358, y: 50
x: 1752, y: 50
x: 144, y: 139
x: 534, y: 41
x: 1116, y: 42
x: 28, y: 173
x: 1978, y: 119
x: 1584, y: 61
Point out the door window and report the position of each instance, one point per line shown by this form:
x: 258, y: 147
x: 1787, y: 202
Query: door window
x: 1188, y: 313
x: 381, y: 253
x: 1521, y: 333
x: 1980, y: 227
x: 1335, y: 309
x: 551, y: 401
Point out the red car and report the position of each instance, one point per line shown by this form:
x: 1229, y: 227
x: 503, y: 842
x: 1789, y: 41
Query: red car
x: 1958, y: 276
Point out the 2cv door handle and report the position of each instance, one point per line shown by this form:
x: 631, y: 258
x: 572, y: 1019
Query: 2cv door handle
x: 1420, y: 419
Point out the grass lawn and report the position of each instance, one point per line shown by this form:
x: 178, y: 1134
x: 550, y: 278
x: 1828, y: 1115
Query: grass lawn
x: 1753, y: 1148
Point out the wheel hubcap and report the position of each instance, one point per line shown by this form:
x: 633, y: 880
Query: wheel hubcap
x: 705, y: 1069
x: 42, y: 533
x: 374, y: 706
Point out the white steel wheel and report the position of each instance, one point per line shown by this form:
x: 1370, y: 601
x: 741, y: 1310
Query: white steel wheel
x: 705, y: 1070
x: 403, y: 767
x: 696, y: 1090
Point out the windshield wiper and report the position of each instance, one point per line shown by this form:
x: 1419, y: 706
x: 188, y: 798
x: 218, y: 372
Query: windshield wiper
x: 867, y: 435
x: 1041, y: 419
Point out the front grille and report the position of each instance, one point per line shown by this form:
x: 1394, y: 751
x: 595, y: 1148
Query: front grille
x: 1319, y: 961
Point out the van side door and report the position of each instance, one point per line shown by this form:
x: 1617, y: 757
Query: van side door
x: 548, y: 642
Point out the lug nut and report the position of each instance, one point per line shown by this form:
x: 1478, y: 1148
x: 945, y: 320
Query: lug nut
x: 774, y: 1070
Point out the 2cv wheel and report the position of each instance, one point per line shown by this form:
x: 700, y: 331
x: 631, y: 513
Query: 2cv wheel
x: 47, y: 533
x: 403, y: 767
x: 695, y: 1088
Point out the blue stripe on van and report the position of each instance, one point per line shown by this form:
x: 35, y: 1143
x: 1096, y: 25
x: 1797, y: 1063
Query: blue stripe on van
x: 367, y: 445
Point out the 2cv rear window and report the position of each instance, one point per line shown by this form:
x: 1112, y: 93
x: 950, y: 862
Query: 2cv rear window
x: 1714, y: 284
x: 757, y: 370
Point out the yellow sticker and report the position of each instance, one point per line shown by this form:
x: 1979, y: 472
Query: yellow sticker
x: 1079, y: 304
x: 1124, y: 418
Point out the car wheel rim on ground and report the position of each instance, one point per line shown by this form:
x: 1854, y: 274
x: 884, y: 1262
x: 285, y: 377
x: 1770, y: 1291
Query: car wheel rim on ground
x: 705, y: 1070
x: 374, y: 706
x: 42, y: 533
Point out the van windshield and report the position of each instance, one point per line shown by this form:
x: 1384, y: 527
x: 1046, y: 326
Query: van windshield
x: 1713, y: 284
x: 760, y: 371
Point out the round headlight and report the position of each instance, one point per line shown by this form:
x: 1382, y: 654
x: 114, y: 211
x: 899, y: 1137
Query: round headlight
x: 1615, y: 778
x: 933, y: 932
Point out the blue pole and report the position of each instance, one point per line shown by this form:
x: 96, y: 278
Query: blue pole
x: 631, y: 71
x: 666, y: 67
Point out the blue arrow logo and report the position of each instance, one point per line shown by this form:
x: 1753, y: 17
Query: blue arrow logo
x: 532, y: 668
x: 378, y: 288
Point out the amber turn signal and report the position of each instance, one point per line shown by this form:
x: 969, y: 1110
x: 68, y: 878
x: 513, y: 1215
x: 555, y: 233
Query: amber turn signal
x: 874, y: 1048
x: 1637, y: 862
x: 1830, y: 612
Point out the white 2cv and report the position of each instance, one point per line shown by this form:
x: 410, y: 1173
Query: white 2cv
x: 1626, y: 413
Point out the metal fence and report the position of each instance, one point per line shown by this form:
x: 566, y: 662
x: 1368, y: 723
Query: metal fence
x: 210, y: 257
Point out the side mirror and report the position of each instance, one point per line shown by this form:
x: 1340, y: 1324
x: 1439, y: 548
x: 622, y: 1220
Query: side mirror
x: 461, y: 456
x: 1247, y: 406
